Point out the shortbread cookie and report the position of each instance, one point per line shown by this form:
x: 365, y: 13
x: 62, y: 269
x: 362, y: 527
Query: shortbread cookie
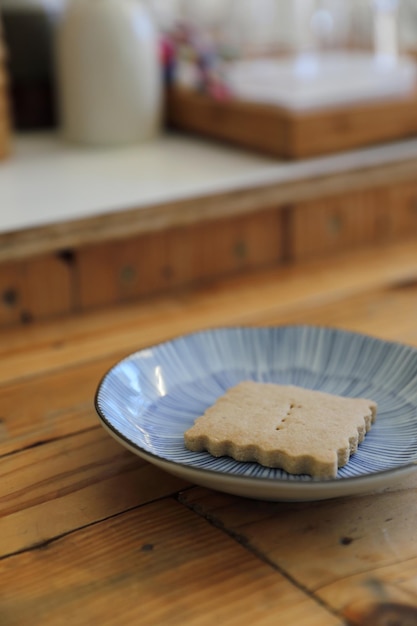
x: 296, y: 429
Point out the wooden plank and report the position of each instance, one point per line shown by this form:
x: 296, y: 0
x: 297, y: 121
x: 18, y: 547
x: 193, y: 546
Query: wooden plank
x: 336, y: 548
x: 387, y: 313
x: 158, y: 564
x: 30, y: 352
x: 64, y: 485
x: 61, y: 404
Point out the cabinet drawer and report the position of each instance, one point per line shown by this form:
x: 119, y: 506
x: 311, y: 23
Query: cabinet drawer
x: 331, y: 225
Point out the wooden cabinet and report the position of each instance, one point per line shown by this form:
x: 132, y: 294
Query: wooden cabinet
x: 183, y: 256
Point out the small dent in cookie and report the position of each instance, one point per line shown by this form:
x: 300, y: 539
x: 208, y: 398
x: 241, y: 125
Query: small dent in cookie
x: 289, y: 412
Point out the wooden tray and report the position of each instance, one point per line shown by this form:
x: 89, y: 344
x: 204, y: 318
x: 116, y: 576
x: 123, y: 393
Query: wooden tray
x: 293, y: 135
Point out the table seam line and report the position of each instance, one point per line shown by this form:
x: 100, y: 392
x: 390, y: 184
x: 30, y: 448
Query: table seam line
x: 47, y: 542
x: 242, y: 541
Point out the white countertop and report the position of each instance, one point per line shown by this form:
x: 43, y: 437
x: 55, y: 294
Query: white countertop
x: 47, y: 181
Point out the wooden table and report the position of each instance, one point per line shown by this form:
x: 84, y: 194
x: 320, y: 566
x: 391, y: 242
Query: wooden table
x: 90, y: 534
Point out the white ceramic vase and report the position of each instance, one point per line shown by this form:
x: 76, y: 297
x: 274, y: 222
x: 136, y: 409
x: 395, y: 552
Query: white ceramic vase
x: 108, y: 73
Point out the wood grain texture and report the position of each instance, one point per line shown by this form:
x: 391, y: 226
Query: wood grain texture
x: 158, y: 564
x: 389, y: 313
x: 336, y: 549
x: 67, y: 484
x: 61, y: 404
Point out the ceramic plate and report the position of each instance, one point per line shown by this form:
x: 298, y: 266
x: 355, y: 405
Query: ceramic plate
x: 150, y: 398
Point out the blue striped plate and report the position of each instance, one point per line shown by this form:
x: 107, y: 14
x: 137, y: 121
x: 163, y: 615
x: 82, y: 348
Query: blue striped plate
x: 151, y: 397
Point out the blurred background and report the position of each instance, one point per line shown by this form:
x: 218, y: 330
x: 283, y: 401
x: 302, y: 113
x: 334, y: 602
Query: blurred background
x: 198, y: 40
x: 193, y: 139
